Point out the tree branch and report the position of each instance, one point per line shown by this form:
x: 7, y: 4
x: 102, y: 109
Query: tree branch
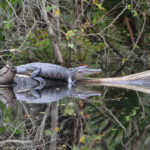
x: 51, y: 34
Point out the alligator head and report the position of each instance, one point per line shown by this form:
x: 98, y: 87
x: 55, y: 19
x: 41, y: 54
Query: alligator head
x: 81, y: 72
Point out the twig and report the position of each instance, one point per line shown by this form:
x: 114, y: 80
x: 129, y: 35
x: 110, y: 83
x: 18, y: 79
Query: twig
x: 16, y: 141
x: 51, y: 34
x: 18, y: 50
x: 140, y: 101
x: 15, y: 12
x: 33, y: 26
x: 114, y: 20
x: 115, y: 118
x: 137, y: 39
x: 40, y: 130
x: 135, y: 45
x: 4, y: 86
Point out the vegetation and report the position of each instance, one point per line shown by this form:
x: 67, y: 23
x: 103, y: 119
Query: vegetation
x: 111, y: 34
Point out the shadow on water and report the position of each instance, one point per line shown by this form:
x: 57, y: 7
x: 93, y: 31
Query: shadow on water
x: 78, y: 117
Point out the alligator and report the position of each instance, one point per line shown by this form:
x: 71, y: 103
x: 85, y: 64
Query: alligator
x: 52, y: 71
x: 43, y: 90
x: 38, y: 79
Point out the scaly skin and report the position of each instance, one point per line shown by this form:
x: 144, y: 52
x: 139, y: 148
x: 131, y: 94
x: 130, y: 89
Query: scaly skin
x: 52, y: 71
x: 45, y: 70
x: 54, y: 93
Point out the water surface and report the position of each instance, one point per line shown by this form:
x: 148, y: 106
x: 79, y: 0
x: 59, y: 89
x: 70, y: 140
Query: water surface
x: 81, y: 117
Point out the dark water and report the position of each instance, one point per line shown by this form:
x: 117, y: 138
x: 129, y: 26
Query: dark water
x: 81, y: 117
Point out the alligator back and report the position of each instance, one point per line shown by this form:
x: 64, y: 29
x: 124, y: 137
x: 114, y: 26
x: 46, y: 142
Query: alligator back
x: 46, y: 70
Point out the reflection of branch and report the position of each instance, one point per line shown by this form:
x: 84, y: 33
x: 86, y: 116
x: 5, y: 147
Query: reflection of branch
x: 111, y: 114
x: 54, y: 124
x: 140, y: 101
x: 114, y: 117
x: 140, y: 137
x: 40, y: 130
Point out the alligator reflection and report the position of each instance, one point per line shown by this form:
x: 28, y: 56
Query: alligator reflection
x: 53, y: 91
x: 29, y: 90
x: 121, y: 115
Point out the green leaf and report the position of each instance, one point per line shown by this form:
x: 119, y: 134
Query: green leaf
x: 75, y: 148
x: 9, y: 25
x: 9, y: 111
x: 48, y: 8
x: 134, y: 13
x: 82, y: 139
x: 129, y: 6
x: 2, y: 106
x: 70, y: 33
x: 71, y: 45
x: 99, y: 5
x: 48, y: 132
x: 127, y: 118
x: 42, y: 113
x: 2, y: 129
x: 133, y: 112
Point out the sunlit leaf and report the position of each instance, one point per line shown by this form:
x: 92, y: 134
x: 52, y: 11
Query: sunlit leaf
x: 9, y: 25
x: 56, y: 129
x: 129, y: 6
x: 42, y: 113
x: 48, y: 8
x: 99, y: 5
x: 98, y: 137
x: 133, y: 112
x: 82, y: 139
x: 69, y: 111
x: 57, y: 12
x: 47, y: 132
x: 70, y: 33
x: 58, y: 89
x: 123, y: 60
x: 127, y: 118
x: 134, y: 13
x: 71, y: 45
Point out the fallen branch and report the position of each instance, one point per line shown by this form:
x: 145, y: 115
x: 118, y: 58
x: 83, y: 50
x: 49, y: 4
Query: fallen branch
x: 137, y: 82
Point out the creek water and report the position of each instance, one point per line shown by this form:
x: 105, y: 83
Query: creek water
x: 78, y: 117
